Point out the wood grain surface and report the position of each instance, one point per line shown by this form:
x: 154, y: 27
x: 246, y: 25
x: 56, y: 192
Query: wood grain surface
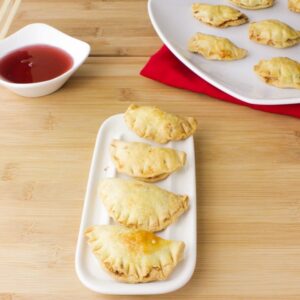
x: 112, y: 27
x: 248, y: 169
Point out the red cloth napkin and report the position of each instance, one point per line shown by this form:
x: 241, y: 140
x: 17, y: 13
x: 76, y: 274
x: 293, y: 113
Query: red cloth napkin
x: 164, y: 67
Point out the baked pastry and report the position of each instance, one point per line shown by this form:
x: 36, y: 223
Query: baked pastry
x: 133, y: 256
x: 144, y: 162
x: 281, y: 72
x: 141, y: 205
x: 154, y: 124
x: 218, y: 15
x: 273, y: 33
x: 294, y: 5
x: 253, y: 4
x: 214, y: 47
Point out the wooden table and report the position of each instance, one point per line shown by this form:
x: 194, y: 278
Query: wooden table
x: 248, y: 168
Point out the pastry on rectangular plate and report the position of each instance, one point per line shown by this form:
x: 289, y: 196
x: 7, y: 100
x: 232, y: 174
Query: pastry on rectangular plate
x: 215, y: 48
x: 281, y: 72
x: 144, y: 162
x: 253, y: 4
x: 133, y: 256
x: 294, y: 5
x: 218, y: 15
x: 141, y: 205
x: 273, y: 33
x: 154, y: 124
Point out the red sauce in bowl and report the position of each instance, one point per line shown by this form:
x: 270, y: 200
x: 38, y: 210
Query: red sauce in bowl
x: 34, y: 63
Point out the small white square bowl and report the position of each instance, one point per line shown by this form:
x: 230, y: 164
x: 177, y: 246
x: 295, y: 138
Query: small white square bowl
x: 43, y: 34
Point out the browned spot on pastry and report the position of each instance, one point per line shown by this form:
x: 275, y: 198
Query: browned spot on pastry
x: 143, y: 241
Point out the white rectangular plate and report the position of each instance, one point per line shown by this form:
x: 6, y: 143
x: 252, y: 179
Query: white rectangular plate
x: 175, y: 25
x: 182, y: 182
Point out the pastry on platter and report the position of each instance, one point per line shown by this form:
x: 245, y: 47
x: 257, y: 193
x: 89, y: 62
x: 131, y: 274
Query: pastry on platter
x: 141, y: 205
x: 215, y: 48
x: 294, y: 5
x: 154, y: 124
x: 281, y: 72
x: 273, y: 33
x: 134, y: 255
x: 253, y: 4
x: 218, y: 15
x: 144, y: 162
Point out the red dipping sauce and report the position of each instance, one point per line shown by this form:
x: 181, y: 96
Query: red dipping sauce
x: 34, y: 63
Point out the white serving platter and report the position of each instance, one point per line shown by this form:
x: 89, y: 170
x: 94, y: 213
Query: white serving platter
x: 175, y: 25
x: 88, y: 269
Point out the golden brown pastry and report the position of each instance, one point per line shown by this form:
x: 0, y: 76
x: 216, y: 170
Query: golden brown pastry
x: 294, y: 5
x: 218, y: 15
x: 133, y: 256
x: 145, y: 162
x: 281, y: 72
x: 273, y: 33
x: 141, y: 205
x: 214, y: 47
x: 253, y: 4
x: 154, y: 124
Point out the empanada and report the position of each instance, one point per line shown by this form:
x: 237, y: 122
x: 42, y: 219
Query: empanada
x: 154, y: 124
x: 281, y: 72
x: 141, y: 205
x: 132, y: 255
x: 253, y: 4
x: 218, y: 15
x: 273, y: 33
x: 214, y: 47
x: 144, y: 162
x: 294, y: 5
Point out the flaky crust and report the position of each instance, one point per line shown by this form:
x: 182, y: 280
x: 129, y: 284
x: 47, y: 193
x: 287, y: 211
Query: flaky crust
x: 294, y: 5
x: 133, y: 256
x: 281, y: 72
x: 154, y: 124
x: 273, y: 33
x: 221, y: 16
x: 215, y: 48
x: 141, y: 205
x: 253, y: 4
x: 144, y: 162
